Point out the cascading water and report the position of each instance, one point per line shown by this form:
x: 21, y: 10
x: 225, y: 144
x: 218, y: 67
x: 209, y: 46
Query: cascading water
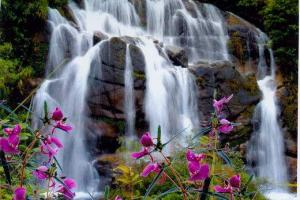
x: 198, y: 29
x: 129, y: 96
x: 170, y: 97
x: 267, y: 145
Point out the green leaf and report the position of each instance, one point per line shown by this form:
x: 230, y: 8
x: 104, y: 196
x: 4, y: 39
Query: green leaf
x: 246, y: 185
x: 172, y: 190
x: 224, y: 157
x: 219, y: 196
x: 106, y: 193
x: 153, y: 183
x: 56, y: 161
x: 174, y: 137
x: 159, y: 145
x: 159, y: 134
x: 202, y: 132
x: 46, y: 112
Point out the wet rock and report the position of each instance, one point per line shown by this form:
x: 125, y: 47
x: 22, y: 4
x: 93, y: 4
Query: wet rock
x: 177, y: 55
x: 98, y: 37
x: 226, y: 80
x: 242, y: 43
x: 113, y: 53
x: 292, y: 169
x: 137, y: 59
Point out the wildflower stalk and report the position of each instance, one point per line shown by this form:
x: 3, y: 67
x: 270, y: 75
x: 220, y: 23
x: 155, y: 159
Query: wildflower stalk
x: 175, y: 174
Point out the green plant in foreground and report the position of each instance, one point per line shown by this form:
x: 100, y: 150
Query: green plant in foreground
x: 21, y: 170
x: 203, y: 170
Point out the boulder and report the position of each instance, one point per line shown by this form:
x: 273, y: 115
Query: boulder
x: 177, y: 55
x: 98, y: 37
x: 226, y: 80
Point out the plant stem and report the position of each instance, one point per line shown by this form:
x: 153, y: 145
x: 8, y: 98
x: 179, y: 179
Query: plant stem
x: 175, y: 174
x: 24, y: 163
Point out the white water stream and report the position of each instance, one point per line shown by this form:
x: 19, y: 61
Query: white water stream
x: 267, y: 144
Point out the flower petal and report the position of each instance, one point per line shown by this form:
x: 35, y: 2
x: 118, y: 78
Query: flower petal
x: 221, y: 189
x: 146, y: 140
x: 235, y: 181
x: 20, y: 193
x: 152, y: 167
x: 140, y: 154
x: 201, y: 174
x: 57, y: 114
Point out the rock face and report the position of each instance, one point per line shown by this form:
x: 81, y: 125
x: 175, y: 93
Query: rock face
x: 177, y: 55
x: 224, y: 79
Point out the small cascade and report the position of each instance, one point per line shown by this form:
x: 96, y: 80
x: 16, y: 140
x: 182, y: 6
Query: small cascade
x: 129, y: 97
x: 200, y: 30
x: 267, y: 145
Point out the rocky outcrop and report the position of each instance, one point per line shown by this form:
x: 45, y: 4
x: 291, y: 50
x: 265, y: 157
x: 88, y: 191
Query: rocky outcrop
x: 177, y: 55
x: 242, y: 43
x: 223, y: 79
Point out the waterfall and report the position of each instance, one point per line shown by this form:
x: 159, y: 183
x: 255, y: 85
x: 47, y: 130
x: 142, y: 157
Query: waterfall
x: 171, y: 92
x: 267, y: 145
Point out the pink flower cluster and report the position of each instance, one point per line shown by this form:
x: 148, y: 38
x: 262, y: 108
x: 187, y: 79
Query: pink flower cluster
x: 148, y: 145
x: 197, y: 170
x: 231, y: 185
x: 225, y: 126
x: 50, y: 145
x: 10, y: 143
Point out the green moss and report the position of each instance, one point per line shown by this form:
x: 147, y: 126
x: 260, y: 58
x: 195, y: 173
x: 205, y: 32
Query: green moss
x: 139, y: 75
x: 290, y: 108
x: 119, y: 124
x: 232, y: 20
x: 236, y: 45
x: 234, y: 85
x: 250, y: 84
x: 200, y: 81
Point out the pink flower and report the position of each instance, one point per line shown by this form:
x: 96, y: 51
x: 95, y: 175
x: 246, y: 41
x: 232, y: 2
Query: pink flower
x: 118, y: 197
x: 57, y: 114
x: 235, y: 181
x: 66, y: 189
x: 193, y: 167
x: 7, y: 147
x: 218, y: 105
x: 48, y: 150
x: 41, y: 173
x: 220, y: 189
x: 13, y: 131
x: 55, y: 141
x: 198, y: 172
x: 62, y: 126
x: 225, y: 126
x: 146, y: 140
x: 142, y: 153
x: 191, y: 156
x: 20, y: 194
x: 152, y: 167
x: 10, y: 144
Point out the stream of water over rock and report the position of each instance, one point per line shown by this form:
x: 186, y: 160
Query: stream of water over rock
x: 267, y: 144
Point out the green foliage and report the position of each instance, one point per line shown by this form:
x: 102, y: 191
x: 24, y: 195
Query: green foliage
x: 281, y: 23
x: 12, y: 76
x: 23, y: 44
